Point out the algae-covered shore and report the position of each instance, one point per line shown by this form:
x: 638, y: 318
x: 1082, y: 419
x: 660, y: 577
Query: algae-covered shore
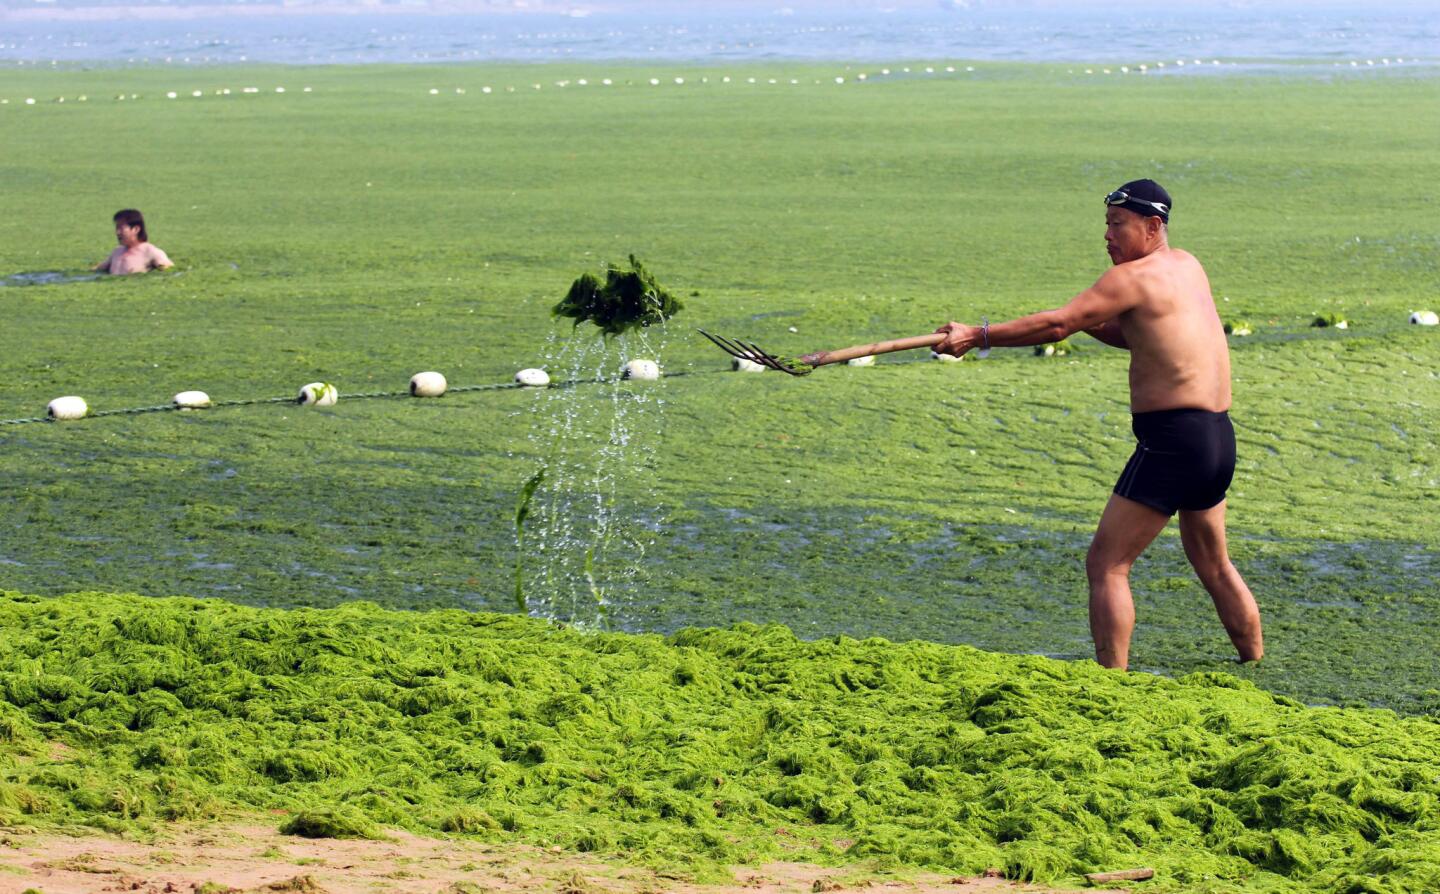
x: 704, y: 748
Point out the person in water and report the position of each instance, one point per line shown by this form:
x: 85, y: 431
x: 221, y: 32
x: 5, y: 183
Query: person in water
x: 135, y: 254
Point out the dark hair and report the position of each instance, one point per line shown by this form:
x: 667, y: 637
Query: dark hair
x: 132, y: 218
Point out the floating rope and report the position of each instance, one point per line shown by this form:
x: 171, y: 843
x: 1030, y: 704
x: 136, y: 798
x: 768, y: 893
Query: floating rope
x: 1267, y: 337
x: 369, y: 395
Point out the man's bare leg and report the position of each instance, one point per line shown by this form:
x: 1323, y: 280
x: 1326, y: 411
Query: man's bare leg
x: 1126, y: 528
x: 1203, y: 534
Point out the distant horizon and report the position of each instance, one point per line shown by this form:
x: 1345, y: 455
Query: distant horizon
x: 714, y: 7
x: 407, y: 31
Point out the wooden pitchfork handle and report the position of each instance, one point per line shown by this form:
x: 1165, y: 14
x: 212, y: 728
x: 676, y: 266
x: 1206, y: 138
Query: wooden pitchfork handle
x: 840, y: 355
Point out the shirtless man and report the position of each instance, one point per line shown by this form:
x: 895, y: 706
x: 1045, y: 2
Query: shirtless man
x: 135, y: 254
x: 1154, y: 302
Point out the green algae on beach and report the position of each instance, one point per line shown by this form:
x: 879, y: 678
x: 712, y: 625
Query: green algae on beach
x: 706, y: 748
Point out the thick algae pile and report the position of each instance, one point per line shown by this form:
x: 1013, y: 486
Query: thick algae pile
x: 708, y: 747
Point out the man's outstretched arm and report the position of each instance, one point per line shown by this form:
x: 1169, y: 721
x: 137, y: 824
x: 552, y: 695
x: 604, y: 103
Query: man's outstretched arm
x: 1094, y: 308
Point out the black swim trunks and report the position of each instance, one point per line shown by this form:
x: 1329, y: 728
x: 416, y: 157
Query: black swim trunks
x: 1185, y: 460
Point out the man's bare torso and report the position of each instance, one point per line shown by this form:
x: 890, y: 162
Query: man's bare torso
x: 136, y: 259
x: 1178, y: 353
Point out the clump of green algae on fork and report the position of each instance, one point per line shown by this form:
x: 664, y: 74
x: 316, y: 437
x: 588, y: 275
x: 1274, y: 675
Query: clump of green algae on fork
x: 627, y: 300
x: 706, y: 748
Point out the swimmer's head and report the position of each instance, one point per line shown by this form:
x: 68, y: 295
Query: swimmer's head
x: 1136, y: 219
x: 127, y: 220
x: 1144, y: 197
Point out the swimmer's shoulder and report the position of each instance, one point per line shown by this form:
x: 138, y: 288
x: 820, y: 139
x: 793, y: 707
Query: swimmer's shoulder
x: 158, y: 256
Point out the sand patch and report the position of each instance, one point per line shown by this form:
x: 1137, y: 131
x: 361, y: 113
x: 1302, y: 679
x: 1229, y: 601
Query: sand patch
x: 259, y: 860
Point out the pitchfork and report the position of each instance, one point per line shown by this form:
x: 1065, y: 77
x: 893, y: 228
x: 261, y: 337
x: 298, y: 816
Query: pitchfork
x: 805, y: 364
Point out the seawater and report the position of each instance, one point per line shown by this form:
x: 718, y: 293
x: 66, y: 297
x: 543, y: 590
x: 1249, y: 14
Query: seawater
x: 1249, y: 33
x: 46, y: 278
x: 595, y: 513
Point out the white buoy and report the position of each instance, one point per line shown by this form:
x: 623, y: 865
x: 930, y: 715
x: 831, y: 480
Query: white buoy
x: 946, y: 358
x: 534, y: 378
x: 68, y: 407
x: 867, y: 360
x: 741, y: 364
x: 642, y: 370
x: 428, y: 384
x: 191, y: 400
x: 318, y: 394
x: 1425, y: 318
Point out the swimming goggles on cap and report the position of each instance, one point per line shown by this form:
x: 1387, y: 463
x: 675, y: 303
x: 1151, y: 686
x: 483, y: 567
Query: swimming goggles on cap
x: 1120, y: 197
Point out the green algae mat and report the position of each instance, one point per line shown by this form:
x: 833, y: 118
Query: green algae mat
x: 701, y: 749
x: 367, y: 230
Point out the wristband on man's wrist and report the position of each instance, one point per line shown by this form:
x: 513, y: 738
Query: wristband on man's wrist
x: 985, y: 338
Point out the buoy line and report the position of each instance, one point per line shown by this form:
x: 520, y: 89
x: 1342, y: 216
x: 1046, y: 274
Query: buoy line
x: 428, y: 385
x: 369, y: 395
x: 679, y: 81
x: 647, y: 371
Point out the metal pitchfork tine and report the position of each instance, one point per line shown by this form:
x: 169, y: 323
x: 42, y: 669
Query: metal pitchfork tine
x: 752, y: 352
x: 807, y: 363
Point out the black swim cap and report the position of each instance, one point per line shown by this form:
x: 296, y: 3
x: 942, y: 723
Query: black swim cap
x: 1143, y: 197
